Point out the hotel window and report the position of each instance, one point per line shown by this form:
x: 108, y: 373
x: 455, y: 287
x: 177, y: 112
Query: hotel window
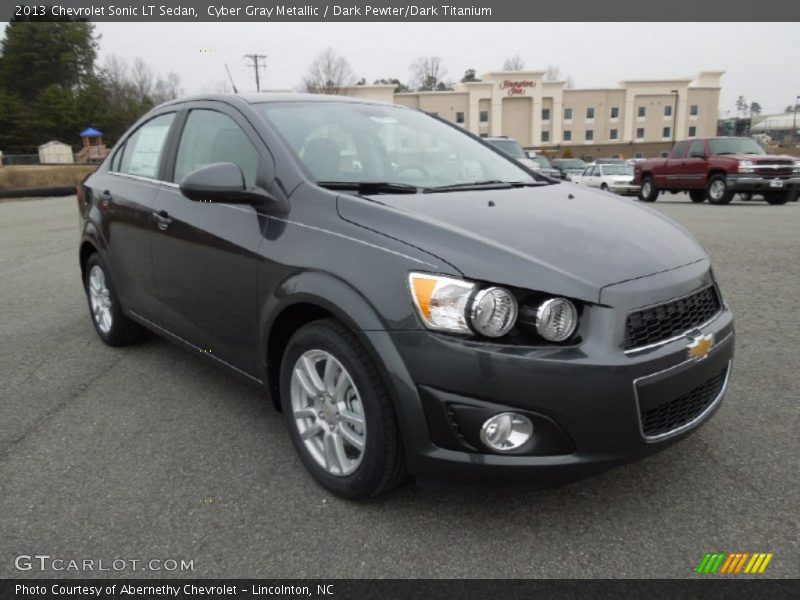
x: 567, y: 135
x: 615, y: 112
x: 568, y: 114
x: 590, y: 112
x: 640, y: 133
x: 692, y: 131
x: 484, y: 116
x: 545, y: 114
x: 668, y: 110
x: 590, y: 135
x: 545, y: 136
x: 642, y: 112
x: 666, y: 133
x: 694, y: 110
x: 613, y: 134
x: 459, y: 117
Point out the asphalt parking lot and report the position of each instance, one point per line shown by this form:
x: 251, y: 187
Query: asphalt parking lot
x: 149, y: 452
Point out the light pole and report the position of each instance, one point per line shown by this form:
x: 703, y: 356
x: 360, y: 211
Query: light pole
x: 675, y: 116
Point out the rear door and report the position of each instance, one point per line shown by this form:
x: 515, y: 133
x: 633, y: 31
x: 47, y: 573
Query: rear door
x: 126, y: 194
x: 205, y: 253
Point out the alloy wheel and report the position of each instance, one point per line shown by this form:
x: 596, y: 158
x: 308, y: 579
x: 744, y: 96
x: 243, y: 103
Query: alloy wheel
x: 717, y: 190
x: 328, y: 412
x: 100, y: 299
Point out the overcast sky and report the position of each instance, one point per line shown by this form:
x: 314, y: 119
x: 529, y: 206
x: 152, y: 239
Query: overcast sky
x: 760, y: 59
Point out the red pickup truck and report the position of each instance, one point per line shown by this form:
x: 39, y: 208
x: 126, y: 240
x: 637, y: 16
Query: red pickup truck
x: 717, y: 168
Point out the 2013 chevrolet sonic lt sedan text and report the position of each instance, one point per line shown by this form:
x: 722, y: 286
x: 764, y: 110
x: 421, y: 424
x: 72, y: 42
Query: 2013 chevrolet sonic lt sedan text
x: 411, y: 298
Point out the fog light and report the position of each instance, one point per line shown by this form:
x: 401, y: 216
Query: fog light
x: 506, y: 431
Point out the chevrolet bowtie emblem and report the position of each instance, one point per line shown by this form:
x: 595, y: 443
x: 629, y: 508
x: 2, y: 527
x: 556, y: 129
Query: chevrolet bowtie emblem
x: 700, y: 346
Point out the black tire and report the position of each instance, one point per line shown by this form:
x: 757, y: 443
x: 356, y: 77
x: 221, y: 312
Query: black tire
x: 122, y: 331
x: 717, y: 190
x: 648, y: 192
x: 745, y: 196
x: 382, y: 465
x: 779, y: 197
x: 697, y: 196
x: 604, y: 187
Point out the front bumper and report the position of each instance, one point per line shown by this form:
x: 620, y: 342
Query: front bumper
x: 586, y: 400
x: 747, y: 182
x: 624, y: 189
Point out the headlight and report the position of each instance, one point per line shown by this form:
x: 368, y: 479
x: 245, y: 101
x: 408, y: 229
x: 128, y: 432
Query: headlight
x: 493, y: 312
x: 449, y: 304
x: 556, y: 319
x: 441, y: 301
x: 746, y: 166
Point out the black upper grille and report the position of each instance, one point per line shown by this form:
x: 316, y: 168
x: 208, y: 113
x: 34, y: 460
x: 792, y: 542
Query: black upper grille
x: 671, y: 415
x: 658, y: 323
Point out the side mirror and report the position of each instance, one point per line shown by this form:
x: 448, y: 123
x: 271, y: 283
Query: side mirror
x: 220, y: 182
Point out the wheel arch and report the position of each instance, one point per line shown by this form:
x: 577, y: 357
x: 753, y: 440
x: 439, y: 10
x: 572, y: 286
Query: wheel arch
x: 309, y: 297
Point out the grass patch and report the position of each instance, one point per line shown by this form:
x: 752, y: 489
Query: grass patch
x: 25, y: 177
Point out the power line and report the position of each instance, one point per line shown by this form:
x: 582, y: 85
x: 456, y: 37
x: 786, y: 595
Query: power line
x: 257, y: 63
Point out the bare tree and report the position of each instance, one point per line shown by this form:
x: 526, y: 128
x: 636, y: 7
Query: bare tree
x: 427, y: 74
x: 553, y: 73
x: 329, y: 73
x: 515, y: 63
x: 569, y: 83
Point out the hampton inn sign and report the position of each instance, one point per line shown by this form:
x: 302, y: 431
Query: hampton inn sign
x: 517, y: 87
x: 635, y: 116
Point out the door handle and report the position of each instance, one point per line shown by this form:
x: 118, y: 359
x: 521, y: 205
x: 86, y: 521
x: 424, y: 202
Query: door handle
x: 162, y: 219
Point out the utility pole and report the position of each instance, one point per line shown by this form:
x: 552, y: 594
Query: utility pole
x: 257, y: 62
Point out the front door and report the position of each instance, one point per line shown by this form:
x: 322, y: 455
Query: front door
x: 205, y: 253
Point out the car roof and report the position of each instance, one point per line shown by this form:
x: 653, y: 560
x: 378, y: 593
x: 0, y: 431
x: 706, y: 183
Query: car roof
x: 266, y: 97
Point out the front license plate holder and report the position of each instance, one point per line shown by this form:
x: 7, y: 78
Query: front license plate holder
x: 776, y: 183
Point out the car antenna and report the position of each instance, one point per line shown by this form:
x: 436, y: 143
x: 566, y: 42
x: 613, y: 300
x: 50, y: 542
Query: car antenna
x: 233, y: 85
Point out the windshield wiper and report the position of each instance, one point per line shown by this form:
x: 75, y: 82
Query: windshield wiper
x: 371, y: 187
x: 488, y: 184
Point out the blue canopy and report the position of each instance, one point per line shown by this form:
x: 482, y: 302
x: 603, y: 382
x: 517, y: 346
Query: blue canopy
x: 90, y: 132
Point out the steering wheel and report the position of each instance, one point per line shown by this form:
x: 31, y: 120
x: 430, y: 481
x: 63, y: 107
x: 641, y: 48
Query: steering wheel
x: 412, y: 167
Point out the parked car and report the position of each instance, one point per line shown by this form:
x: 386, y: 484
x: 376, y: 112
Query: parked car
x: 609, y: 161
x: 617, y: 178
x: 512, y: 148
x: 717, y: 168
x: 545, y: 167
x: 569, y: 166
x: 434, y: 309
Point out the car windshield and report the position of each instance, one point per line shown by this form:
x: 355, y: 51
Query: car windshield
x: 734, y: 146
x: 360, y: 143
x: 570, y: 163
x: 510, y: 147
x: 617, y: 170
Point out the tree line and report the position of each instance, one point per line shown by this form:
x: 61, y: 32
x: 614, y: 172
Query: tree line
x: 52, y: 87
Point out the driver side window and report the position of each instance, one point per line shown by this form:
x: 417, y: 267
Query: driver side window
x: 213, y: 137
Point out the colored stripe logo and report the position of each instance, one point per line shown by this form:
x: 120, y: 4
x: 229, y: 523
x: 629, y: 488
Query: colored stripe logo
x: 734, y: 563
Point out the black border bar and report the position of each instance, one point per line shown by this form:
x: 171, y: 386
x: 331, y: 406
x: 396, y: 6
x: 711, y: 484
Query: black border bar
x: 407, y: 10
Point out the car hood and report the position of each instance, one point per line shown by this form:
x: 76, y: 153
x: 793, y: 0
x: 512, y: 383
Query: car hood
x: 562, y: 239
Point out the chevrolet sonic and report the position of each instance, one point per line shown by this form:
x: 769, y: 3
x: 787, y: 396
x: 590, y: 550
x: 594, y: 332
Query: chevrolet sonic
x: 413, y: 300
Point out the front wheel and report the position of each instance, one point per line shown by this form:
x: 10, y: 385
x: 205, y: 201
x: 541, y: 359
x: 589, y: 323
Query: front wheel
x: 697, y: 195
x: 339, y: 413
x: 717, y: 190
x: 779, y: 197
x: 745, y: 196
x: 649, y: 192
